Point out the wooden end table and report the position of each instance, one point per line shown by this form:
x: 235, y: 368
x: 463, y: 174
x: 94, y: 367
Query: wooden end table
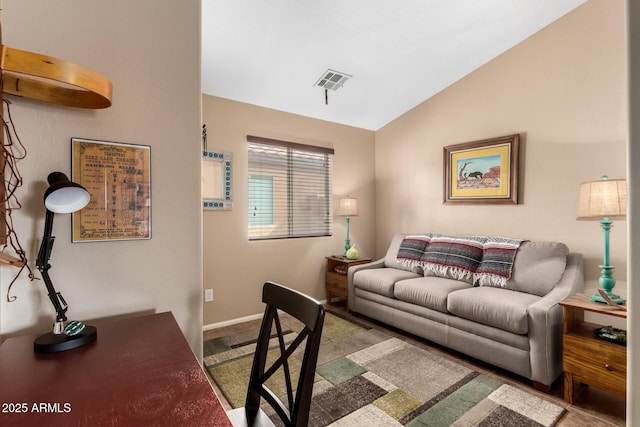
x: 336, y: 276
x: 586, y: 358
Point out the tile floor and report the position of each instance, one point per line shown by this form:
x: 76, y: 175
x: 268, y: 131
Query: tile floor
x: 591, y: 406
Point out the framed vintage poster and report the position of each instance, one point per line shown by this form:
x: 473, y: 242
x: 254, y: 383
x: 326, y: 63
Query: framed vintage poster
x: 482, y: 171
x: 118, y: 177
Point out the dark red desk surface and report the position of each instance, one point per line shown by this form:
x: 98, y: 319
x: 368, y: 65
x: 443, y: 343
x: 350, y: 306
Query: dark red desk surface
x: 139, y: 372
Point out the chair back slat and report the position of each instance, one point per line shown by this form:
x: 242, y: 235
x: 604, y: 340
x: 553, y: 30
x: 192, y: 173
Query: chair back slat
x: 311, y: 314
x: 292, y: 302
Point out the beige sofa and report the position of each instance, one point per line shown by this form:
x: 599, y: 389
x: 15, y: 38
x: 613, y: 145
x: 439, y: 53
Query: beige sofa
x: 516, y: 325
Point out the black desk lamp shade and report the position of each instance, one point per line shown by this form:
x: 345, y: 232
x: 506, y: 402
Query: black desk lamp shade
x: 62, y: 196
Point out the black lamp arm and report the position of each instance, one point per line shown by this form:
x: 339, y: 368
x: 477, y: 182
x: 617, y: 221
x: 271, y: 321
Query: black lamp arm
x: 43, y: 266
x: 47, y: 243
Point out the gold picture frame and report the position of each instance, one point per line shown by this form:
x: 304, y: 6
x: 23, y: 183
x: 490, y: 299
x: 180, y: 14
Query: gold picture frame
x: 118, y: 177
x: 482, y: 172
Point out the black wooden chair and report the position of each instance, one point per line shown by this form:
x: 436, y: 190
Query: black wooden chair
x: 295, y: 410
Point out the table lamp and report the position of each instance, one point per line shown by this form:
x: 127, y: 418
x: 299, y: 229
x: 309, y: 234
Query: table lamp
x: 604, y: 200
x: 348, y: 207
x: 62, y: 196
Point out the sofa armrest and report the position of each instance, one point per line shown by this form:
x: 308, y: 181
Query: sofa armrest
x: 545, y: 323
x: 352, y: 270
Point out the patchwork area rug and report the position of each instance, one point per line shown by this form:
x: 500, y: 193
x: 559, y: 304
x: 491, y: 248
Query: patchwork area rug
x: 367, y: 378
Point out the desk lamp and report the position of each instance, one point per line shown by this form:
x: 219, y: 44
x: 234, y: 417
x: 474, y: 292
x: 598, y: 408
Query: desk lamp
x: 604, y: 200
x: 348, y: 207
x: 62, y: 196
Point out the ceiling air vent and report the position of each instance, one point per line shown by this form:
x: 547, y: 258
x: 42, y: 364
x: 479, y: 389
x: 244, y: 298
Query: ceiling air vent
x: 332, y: 80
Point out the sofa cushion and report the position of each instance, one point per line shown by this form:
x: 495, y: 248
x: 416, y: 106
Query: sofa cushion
x: 498, y: 307
x: 430, y: 292
x: 453, y: 257
x: 380, y: 280
x: 538, y: 267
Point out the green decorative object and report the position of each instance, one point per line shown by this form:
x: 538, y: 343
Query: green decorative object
x: 611, y: 334
x: 604, y: 200
x: 352, y: 253
x: 74, y: 328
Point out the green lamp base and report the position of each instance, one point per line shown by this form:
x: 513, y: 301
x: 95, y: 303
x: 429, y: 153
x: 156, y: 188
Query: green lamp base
x: 615, y: 298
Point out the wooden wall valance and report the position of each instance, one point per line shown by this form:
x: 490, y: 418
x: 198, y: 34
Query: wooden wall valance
x: 44, y: 78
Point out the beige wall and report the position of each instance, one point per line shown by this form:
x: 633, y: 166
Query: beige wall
x: 236, y: 268
x: 150, y: 50
x: 563, y: 90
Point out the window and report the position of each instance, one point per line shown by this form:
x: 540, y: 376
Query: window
x: 260, y: 200
x: 289, y: 189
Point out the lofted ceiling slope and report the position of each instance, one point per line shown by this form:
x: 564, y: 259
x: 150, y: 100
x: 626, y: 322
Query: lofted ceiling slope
x: 399, y: 52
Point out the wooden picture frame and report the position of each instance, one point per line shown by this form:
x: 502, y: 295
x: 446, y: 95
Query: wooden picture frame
x: 482, y: 172
x: 118, y: 177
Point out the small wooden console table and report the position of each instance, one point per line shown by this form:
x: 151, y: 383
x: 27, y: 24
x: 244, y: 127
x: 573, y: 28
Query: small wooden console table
x: 139, y: 371
x: 588, y: 359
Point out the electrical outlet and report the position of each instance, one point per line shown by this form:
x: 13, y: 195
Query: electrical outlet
x: 208, y: 295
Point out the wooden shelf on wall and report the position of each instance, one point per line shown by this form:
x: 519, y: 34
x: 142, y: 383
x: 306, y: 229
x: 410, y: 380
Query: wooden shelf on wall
x: 44, y: 78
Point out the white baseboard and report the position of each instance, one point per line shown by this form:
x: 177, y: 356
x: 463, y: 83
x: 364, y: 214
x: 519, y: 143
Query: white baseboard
x: 231, y: 322
x: 212, y: 326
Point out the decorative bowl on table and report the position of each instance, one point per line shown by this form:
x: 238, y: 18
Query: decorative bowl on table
x: 611, y: 334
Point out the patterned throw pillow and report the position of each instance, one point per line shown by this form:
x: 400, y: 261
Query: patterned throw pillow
x: 412, y: 249
x: 453, y: 257
x: 497, y: 262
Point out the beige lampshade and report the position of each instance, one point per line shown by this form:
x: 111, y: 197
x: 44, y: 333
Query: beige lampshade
x: 603, y: 198
x: 348, y: 207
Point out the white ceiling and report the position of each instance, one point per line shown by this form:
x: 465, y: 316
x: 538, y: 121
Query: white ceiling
x: 400, y: 52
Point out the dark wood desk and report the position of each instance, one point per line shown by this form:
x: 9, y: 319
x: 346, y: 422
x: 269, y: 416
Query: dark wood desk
x: 139, y: 372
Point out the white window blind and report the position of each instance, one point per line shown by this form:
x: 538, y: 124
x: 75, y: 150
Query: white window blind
x: 289, y: 189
